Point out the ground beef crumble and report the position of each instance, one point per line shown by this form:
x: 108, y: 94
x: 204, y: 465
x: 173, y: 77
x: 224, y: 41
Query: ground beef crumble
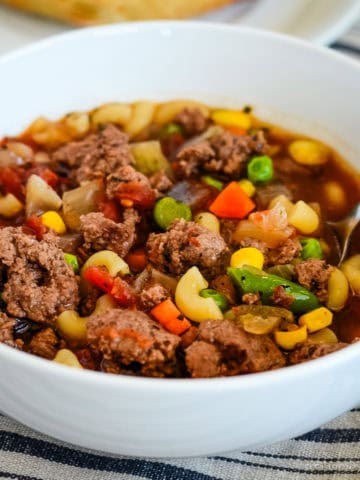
x: 152, y: 295
x: 130, y: 340
x: 97, y: 155
x: 192, y: 121
x: 101, y: 233
x: 222, y: 348
x: 223, y: 153
x: 127, y: 177
x: 310, y: 351
x: 281, y: 255
x: 44, y: 344
x: 40, y: 284
x: 186, y: 244
x: 7, y: 325
x: 314, y: 275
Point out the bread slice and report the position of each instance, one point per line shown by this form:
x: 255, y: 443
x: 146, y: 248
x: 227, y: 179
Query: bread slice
x: 91, y: 12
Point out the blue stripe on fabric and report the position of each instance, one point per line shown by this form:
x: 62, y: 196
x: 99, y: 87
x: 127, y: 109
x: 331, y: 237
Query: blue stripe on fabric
x: 302, y: 458
x: 287, y: 469
x: 345, y: 47
x: 14, y: 442
x: 332, y: 435
x: 16, y: 477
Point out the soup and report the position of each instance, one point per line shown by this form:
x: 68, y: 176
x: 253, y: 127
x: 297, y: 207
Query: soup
x: 174, y: 240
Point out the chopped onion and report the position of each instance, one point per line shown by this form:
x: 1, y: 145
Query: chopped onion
x: 80, y: 201
x: 272, y: 239
x: 40, y: 197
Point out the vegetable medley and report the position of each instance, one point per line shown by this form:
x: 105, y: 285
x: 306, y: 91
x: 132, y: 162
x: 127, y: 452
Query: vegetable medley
x: 174, y: 240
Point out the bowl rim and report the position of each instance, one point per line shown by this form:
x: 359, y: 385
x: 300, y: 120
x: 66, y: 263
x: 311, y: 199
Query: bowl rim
x: 174, y: 385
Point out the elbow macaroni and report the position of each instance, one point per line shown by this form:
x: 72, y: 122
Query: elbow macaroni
x: 190, y: 303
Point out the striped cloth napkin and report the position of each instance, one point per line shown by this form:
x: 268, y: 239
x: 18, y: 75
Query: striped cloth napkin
x: 330, y: 452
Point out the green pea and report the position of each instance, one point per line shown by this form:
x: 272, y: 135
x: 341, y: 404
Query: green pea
x: 219, y: 298
x: 72, y: 261
x: 311, y: 248
x: 260, y: 169
x: 213, y: 182
x: 168, y: 209
x: 170, y: 129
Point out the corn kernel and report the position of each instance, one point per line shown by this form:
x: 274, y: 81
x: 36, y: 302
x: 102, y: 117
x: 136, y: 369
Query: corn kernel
x: 289, y: 340
x: 208, y: 220
x: 248, y: 187
x: 316, y: 319
x: 232, y: 118
x: 304, y: 218
x: 247, y: 256
x: 324, y: 335
x: 68, y: 358
x: 53, y: 220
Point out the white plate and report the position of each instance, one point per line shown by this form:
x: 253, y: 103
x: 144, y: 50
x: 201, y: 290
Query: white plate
x: 319, y: 21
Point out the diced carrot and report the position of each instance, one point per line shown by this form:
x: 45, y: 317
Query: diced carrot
x: 168, y: 315
x: 136, y: 260
x: 35, y: 226
x: 236, y: 130
x: 232, y: 202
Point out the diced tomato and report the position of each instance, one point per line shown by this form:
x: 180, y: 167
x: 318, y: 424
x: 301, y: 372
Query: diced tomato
x: 116, y: 287
x: 122, y: 292
x: 34, y: 226
x: 12, y: 179
x: 110, y: 209
x: 50, y: 177
x: 140, y: 195
x: 99, y: 277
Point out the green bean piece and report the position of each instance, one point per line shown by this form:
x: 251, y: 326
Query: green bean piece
x: 252, y: 280
x: 219, y: 298
x: 72, y: 261
x: 213, y: 182
x: 311, y: 248
x: 260, y: 169
x: 168, y: 209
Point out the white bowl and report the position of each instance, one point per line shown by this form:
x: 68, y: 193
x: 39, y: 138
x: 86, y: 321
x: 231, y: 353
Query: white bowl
x: 295, y: 84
